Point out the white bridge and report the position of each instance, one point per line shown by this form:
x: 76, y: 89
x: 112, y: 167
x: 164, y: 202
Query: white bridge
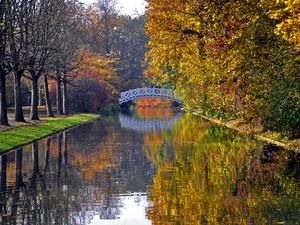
x: 148, y: 93
x: 147, y: 125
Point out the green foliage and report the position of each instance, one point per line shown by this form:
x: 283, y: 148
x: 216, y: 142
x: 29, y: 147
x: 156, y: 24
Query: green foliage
x: 282, y: 109
x: 24, y: 135
x: 110, y: 109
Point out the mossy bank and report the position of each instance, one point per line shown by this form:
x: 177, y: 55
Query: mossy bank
x: 24, y: 135
x: 275, y: 138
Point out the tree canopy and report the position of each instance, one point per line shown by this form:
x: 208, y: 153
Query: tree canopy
x: 230, y: 59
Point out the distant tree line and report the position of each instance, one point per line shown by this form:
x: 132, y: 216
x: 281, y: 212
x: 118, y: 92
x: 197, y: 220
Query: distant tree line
x: 118, y: 36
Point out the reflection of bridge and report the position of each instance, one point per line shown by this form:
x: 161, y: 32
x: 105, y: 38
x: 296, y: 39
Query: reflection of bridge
x: 147, y: 93
x: 147, y: 125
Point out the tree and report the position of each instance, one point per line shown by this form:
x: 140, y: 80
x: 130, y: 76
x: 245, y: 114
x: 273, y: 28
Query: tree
x: 19, y: 37
x: 287, y: 13
x: 47, y: 96
x: 130, y: 44
x: 3, y: 72
x: 107, y: 10
x: 222, y: 56
x: 66, y: 46
x: 45, y: 28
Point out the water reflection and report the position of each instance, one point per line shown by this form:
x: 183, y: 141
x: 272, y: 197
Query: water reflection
x: 191, y: 173
x: 147, y: 125
x: 218, y: 177
x: 63, y: 180
x: 150, y: 120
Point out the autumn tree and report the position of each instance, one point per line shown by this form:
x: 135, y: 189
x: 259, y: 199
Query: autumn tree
x: 224, y: 59
x: 120, y: 38
x: 66, y: 46
x: 96, y: 83
x: 287, y: 14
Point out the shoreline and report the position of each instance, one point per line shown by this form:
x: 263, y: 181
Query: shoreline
x: 24, y: 135
x: 258, y: 136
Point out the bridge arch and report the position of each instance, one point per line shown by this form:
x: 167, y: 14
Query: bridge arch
x: 138, y: 93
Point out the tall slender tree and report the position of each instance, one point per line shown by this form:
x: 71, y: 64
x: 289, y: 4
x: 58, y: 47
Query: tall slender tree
x: 19, y: 42
x: 3, y: 72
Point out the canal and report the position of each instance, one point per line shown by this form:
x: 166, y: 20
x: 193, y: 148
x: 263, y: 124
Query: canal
x: 157, y: 166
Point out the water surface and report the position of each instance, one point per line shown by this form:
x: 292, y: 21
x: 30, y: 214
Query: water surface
x: 154, y: 167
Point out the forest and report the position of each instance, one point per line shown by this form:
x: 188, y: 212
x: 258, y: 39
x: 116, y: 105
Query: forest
x: 229, y: 59
x: 66, y: 55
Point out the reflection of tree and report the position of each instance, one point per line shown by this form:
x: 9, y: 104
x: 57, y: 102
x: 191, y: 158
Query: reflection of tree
x: 73, y: 176
x: 28, y: 200
x: 218, y: 177
x: 19, y: 163
x: 3, y: 172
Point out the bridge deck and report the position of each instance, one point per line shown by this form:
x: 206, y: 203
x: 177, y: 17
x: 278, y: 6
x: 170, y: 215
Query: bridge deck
x: 148, y: 93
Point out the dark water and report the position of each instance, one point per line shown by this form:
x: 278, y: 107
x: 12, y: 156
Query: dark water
x: 156, y: 167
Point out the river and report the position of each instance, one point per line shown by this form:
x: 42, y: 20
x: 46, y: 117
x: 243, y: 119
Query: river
x: 157, y: 166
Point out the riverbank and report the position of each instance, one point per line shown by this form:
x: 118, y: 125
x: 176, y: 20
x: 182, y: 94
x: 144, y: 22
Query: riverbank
x: 20, y: 136
x: 274, y: 138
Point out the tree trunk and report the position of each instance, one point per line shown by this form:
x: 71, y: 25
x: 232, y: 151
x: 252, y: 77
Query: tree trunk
x: 34, y: 114
x: 41, y: 95
x: 3, y: 105
x: 35, y: 158
x: 65, y: 103
x: 65, y: 139
x: 47, y: 97
x: 59, y: 159
x: 59, y: 109
x: 47, y: 155
x: 18, y: 159
x: 19, y: 116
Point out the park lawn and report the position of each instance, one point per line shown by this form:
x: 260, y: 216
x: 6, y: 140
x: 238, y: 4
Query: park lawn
x: 24, y: 135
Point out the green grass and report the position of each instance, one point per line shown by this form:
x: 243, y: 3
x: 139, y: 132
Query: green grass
x: 24, y: 135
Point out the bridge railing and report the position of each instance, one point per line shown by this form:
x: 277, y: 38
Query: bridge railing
x: 147, y: 92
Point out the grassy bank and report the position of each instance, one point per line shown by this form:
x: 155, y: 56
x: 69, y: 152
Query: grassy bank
x: 274, y: 138
x: 23, y: 135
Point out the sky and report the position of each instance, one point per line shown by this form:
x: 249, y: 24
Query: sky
x: 127, y: 7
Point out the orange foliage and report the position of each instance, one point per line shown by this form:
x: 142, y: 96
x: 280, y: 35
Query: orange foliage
x: 147, y: 112
x: 155, y: 102
x: 95, y: 65
x: 152, y: 144
x: 92, y: 164
x: 99, y: 67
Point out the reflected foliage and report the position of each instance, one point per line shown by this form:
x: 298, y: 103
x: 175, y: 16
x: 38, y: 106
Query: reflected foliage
x: 214, y: 176
x: 152, y: 102
x: 194, y: 173
x: 72, y: 177
x: 148, y: 112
